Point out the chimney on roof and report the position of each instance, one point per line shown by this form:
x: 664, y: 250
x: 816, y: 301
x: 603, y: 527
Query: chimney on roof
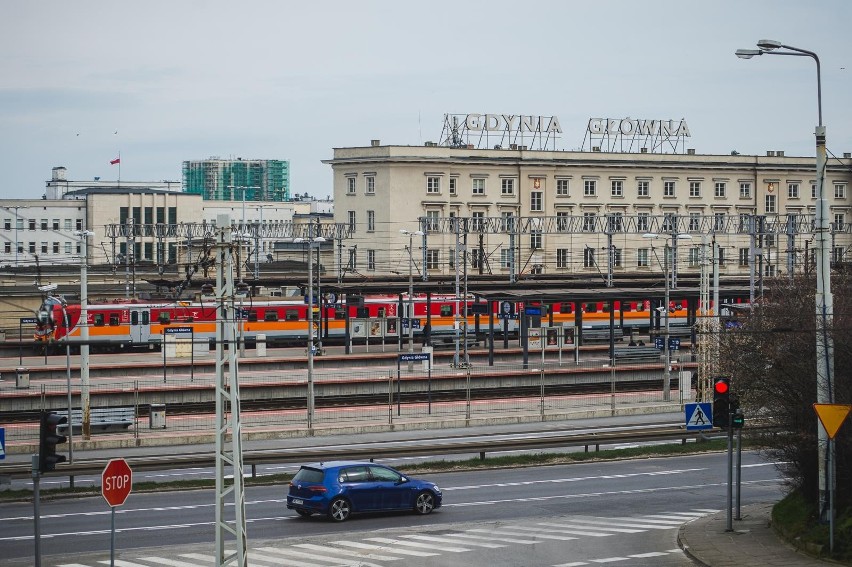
x: 375, y: 143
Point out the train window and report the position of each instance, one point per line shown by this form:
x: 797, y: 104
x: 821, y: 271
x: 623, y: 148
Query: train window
x: 363, y: 313
x: 626, y: 306
x: 605, y: 306
x: 590, y: 307
x: 165, y: 318
x: 339, y: 314
x: 270, y: 315
x: 99, y: 319
x: 446, y: 311
x: 381, y: 312
x: 566, y: 307
x: 252, y: 315
x: 113, y: 319
x: 146, y: 318
x: 134, y: 317
x: 292, y: 314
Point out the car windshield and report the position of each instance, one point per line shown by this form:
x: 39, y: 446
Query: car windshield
x: 384, y: 475
x: 308, y: 475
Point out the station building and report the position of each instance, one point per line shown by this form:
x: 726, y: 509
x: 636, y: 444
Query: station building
x: 518, y: 210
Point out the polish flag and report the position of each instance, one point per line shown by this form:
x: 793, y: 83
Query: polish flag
x: 114, y: 161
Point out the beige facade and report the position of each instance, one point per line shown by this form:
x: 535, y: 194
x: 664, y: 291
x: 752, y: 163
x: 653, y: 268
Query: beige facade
x: 583, y: 212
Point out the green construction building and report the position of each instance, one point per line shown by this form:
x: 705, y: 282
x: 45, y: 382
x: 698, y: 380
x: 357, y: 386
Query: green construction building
x: 238, y: 179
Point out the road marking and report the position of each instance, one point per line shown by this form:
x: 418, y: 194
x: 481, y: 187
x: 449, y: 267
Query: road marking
x: 346, y: 552
x: 254, y: 557
x: 122, y: 563
x: 449, y: 540
x: 649, y: 554
x: 508, y: 531
x: 562, y: 531
x: 360, y: 545
x: 571, y: 479
x: 582, y: 527
x: 418, y: 545
x: 574, y: 564
x: 493, y: 538
x: 609, y: 559
x: 289, y: 551
x: 626, y: 523
x: 168, y: 562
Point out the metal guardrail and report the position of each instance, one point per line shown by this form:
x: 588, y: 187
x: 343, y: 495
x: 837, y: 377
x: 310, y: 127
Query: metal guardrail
x: 380, y: 450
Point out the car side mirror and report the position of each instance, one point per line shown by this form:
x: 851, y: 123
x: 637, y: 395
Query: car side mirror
x: 402, y: 480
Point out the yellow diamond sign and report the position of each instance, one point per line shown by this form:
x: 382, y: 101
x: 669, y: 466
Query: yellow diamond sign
x: 832, y: 416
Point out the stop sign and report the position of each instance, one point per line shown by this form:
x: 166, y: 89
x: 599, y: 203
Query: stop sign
x: 116, y: 482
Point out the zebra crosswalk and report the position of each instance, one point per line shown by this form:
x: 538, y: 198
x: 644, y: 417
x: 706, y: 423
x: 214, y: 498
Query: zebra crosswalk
x: 402, y: 548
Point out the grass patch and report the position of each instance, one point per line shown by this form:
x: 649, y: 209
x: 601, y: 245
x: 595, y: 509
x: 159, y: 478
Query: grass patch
x: 797, y: 519
x: 506, y: 461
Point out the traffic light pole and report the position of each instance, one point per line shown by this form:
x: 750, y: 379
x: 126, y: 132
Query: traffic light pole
x: 36, y: 511
x: 729, y: 526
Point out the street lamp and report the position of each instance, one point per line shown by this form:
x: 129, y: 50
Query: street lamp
x: 411, y: 235
x: 84, y: 235
x: 258, y: 238
x: 312, y: 243
x: 667, y: 375
x: 824, y: 298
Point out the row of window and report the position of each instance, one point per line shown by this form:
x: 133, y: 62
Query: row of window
x: 45, y: 248
x: 43, y: 224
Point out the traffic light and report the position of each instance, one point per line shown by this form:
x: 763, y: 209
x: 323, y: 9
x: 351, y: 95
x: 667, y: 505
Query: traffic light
x: 49, y: 438
x: 721, y: 402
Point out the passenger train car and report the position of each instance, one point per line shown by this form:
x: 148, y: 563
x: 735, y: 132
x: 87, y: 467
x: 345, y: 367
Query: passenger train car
x: 128, y: 324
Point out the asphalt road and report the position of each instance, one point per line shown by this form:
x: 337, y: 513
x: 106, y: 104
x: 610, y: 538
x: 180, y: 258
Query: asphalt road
x: 557, y: 515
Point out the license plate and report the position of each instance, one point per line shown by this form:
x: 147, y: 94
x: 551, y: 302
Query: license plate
x: 298, y: 501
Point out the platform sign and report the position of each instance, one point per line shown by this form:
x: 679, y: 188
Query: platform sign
x: 413, y: 357
x: 532, y: 310
x: 28, y: 320
x: 415, y: 322
x: 177, y: 330
x: 674, y: 343
x: 698, y: 416
x: 832, y: 416
x: 2, y: 443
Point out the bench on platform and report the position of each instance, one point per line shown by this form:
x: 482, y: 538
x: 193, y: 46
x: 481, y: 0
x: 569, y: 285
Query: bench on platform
x: 602, y: 334
x: 101, y: 420
x: 636, y: 353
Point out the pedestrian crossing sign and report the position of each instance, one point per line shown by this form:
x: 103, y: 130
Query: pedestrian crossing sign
x: 698, y: 416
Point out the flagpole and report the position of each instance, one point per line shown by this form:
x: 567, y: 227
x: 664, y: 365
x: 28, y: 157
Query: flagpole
x: 119, y: 168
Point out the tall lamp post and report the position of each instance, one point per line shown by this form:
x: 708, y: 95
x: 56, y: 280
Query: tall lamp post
x: 411, y: 235
x: 667, y: 373
x: 312, y: 243
x: 824, y: 298
x: 84, y: 235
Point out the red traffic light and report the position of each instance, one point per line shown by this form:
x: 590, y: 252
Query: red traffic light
x: 721, y: 386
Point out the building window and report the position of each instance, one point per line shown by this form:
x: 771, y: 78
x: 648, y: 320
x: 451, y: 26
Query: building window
x: 32, y: 224
x: 643, y: 222
x: 768, y: 240
x: 371, y: 221
x: 643, y: 189
x: 451, y: 258
x: 588, y: 222
x: 371, y: 260
x: 563, y: 257
x: 351, y: 221
x: 694, y: 222
x: 694, y: 188
x: 56, y: 248
x: 718, y: 221
x: 720, y: 190
x: 590, y: 188
x: 44, y: 224
x: 744, y: 224
x: 370, y: 185
x: 839, y: 221
x: 588, y: 257
x: 562, y: 221
x: 7, y: 247
x: 32, y: 248
x: 478, y: 187
x: 668, y: 222
x: 78, y: 224
x: 44, y: 248
x: 669, y: 189
x: 642, y: 258
x: 615, y: 222
x: 432, y: 220
x: 68, y: 248
x: 505, y: 258
x: 770, y: 203
x: 837, y: 254
x: 507, y: 186
x: 562, y: 187
x: 617, y: 188
x: 743, y: 257
x: 433, y: 185
x: 507, y: 224
x: 536, y: 201
x: 7, y: 224
x: 792, y: 190
x: 745, y: 190
x: 432, y: 256
x: 350, y: 185
x: 55, y: 224
x: 721, y: 258
x: 477, y: 221
x: 535, y: 239
x: 839, y: 191
x: 453, y: 185
x: 693, y: 257
x: 68, y: 224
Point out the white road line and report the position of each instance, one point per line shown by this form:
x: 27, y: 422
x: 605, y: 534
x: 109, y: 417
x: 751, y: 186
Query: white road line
x: 418, y: 545
x: 649, y: 554
x: 493, y: 538
x: 570, y: 479
x: 609, y: 559
x: 254, y: 557
x: 450, y: 540
x: 360, y: 545
x: 290, y: 552
x: 562, y: 531
x: 71, y: 565
x: 207, y: 559
x: 574, y: 564
x: 579, y: 526
x: 627, y: 524
x: 170, y: 562
x: 122, y: 563
x: 509, y: 532
x: 345, y: 552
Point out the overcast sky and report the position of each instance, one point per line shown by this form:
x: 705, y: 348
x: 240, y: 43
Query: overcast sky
x: 166, y: 81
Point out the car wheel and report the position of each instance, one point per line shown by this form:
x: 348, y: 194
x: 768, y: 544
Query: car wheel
x: 425, y: 503
x: 304, y: 513
x: 339, y: 509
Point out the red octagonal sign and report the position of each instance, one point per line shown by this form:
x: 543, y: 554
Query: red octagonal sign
x: 116, y: 482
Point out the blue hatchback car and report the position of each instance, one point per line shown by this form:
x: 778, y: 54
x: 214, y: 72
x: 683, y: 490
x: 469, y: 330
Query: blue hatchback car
x: 340, y: 488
